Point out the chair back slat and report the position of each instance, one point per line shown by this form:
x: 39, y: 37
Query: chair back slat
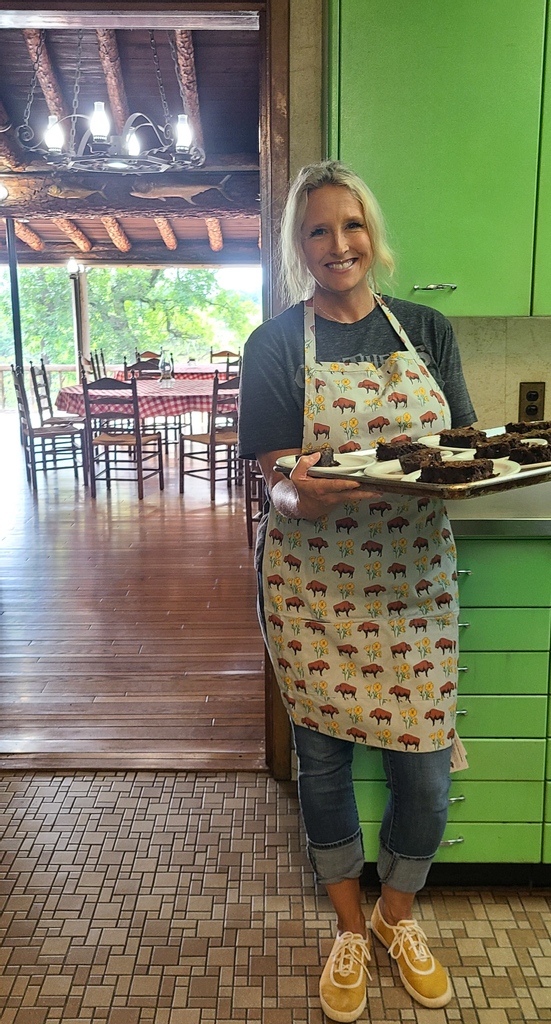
x: 21, y: 399
x: 41, y: 387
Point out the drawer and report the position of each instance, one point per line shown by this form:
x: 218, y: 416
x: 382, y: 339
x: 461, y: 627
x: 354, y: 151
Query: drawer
x: 469, y: 801
x: 503, y: 672
x: 504, y: 629
x: 506, y: 842
x: 504, y: 573
x: 516, y: 716
x: 502, y: 760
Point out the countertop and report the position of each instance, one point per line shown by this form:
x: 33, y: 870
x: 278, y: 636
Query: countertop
x: 510, y: 514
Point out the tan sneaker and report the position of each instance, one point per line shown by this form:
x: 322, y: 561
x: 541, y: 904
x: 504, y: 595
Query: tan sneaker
x: 344, y: 979
x: 423, y: 976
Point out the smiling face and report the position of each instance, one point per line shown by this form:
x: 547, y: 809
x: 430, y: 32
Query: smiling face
x: 335, y: 241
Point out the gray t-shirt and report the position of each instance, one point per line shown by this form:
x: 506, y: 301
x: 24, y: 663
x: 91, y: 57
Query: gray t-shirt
x: 271, y: 415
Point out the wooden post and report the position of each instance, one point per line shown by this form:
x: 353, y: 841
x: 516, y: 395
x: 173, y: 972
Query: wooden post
x: 278, y: 727
x: 14, y: 289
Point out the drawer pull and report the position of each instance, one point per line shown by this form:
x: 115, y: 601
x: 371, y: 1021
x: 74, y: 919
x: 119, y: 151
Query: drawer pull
x: 462, y: 668
x: 464, y: 572
x: 463, y: 625
x: 456, y: 799
x: 433, y: 287
x: 452, y: 842
x: 462, y: 711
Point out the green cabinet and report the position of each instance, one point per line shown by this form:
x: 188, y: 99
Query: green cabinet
x: 500, y: 806
x: 542, y: 255
x: 439, y: 109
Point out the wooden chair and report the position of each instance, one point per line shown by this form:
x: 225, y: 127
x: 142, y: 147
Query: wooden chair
x: 220, y: 440
x: 231, y: 360
x: 96, y: 368
x: 255, y: 496
x: 143, y: 369
x: 137, y: 455
x: 147, y: 355
x: 42, y: 394
x: 52, y: 446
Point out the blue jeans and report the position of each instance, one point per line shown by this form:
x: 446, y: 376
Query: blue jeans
x: 413, y: 822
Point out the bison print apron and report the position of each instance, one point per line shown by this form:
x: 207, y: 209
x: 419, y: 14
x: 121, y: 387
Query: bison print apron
x: 361, y: 605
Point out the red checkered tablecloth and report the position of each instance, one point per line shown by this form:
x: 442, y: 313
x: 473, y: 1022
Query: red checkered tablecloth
x: 155, y: 399
x: 184, y: 371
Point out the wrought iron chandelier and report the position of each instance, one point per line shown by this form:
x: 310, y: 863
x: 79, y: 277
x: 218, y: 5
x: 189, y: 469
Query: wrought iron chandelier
x: 173, y: 146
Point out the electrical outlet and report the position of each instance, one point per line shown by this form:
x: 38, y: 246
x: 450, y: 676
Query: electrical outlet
x: 531, y: 400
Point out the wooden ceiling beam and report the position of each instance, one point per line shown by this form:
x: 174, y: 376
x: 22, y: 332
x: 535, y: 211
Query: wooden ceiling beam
x: 190, y: 253
x: 77, y: 236
x: 214, y: 231
x: 46, y: 74
x: 167, y: 234
x: 224, y: 16
x: 117, y: 234
x: 10, y: 153
x: 111, y: 64
x: 28, y: 236
x: 188, y: 78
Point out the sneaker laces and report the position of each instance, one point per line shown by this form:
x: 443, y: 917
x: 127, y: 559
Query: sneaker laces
x: 409, y: 932
x: 352, y: 951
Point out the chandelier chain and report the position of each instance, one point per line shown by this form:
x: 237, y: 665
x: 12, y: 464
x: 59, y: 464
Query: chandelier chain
x: 32, y: 86
x: 174, y: 56
x: 76, y: 91
x: 159, y: 77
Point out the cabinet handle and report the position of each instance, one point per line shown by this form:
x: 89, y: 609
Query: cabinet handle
x: 433, y: 287
x: 452, y: 842
x: 462, y: 711
x: 456, y: 799
x: 462, y: 668
x: 463, y: 625
x: 464, y: 572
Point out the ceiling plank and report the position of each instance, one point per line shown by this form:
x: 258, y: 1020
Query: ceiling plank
x: 166, y: 232
x: 27, y: 235
x: 111, y: 64
x: 117, y: 234
x: 214, y: 231
x: 188, y: 78
x: 46, y: 74
x: 74, y: 233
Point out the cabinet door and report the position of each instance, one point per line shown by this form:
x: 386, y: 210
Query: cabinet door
x: 542, y: 262
x: 497, y: 573
x: 439, y: 110
x: 504, y: 629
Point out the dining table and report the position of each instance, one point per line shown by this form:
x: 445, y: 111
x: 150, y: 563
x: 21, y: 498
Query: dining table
x: 185, y: 371
x: 155, y: 398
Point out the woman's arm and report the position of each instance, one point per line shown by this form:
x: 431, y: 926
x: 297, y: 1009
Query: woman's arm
x: 307, y: 497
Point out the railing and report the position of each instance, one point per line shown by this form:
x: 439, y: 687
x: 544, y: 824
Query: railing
x: 59, y: 374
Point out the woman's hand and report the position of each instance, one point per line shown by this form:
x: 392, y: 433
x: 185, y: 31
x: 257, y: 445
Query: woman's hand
x: 301, y: 496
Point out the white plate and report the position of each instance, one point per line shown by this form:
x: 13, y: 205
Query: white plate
x: 348, y: 464
x: 393, y: 469
x: 535, y: 465
x: 502, y: 468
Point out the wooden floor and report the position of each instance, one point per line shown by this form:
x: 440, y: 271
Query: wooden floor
x: 128, y: 633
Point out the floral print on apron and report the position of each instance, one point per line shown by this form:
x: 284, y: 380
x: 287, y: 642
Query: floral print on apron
x: 361, y: 606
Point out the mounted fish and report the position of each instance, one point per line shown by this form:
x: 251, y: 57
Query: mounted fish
x: 163, y: 191
x: 59, y: 191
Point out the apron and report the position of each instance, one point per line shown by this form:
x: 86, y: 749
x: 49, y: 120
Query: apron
x: 361, y: 606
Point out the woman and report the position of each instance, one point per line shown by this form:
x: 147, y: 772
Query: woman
x: 393, y: 362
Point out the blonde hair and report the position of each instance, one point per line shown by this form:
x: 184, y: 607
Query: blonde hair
x: 296, y: 280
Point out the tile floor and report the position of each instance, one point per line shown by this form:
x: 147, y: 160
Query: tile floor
x: 187, y: 898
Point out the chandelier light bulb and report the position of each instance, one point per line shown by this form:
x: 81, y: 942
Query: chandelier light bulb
x: 54, y: 136
x: 100, y: 124
x: 72, y: 266
x: 133, y: 144
x: 184, y: 134
x: 3, y: 193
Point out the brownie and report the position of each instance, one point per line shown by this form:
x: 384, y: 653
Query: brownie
x: 418, y: 457
x: 526, y: 427
x: 461, y: 437
x: 327, y: 456
x: 543, y: 435
x: 530, y: 454
x: 494, y: 448
x: 457, y: 472
x: 393, y: 449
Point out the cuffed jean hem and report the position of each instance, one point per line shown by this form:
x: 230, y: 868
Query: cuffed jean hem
x: 405, y: 874
x: 337, y: 861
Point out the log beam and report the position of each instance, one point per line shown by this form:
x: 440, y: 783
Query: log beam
x: 190, y: 253
x: 186, y: 66
x: 214, y: 231
x: 28, y: 236
x: 111, y: 64
x: 46, y: 74
x: 10, y: 153
x: 74, y: 233
x: 167, y: 234
x: 117, y: 234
